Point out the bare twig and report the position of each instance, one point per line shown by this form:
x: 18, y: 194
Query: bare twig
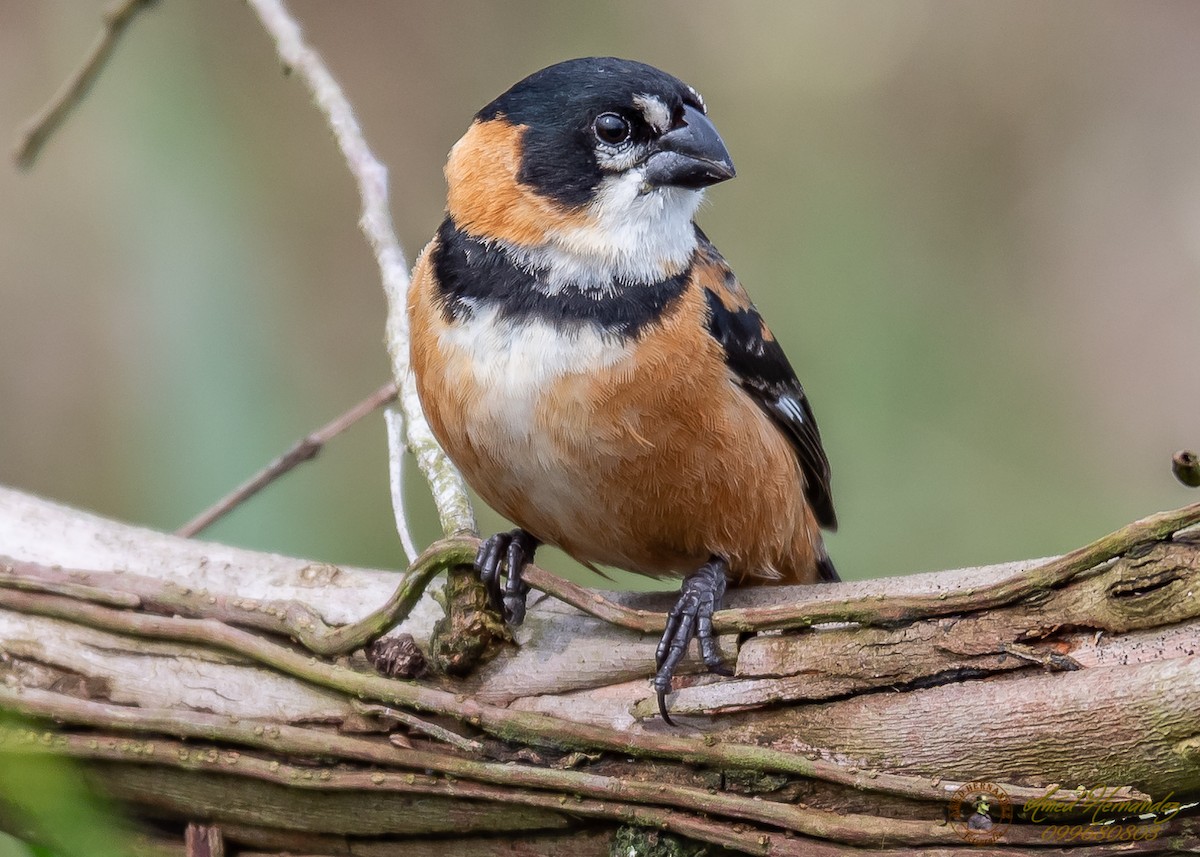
x: 397, y: 455
x: 869, y: 609
x: 449, y: 490
x: 1023, y: 584
x: 32, y: 577
x: 304, y: 449
x: 416, y: 724
x: 292, y: 618
x: 348, y: 638
x: 46, y: 122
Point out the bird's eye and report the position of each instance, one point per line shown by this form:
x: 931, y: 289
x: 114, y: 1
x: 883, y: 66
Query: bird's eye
x: 611, y: 128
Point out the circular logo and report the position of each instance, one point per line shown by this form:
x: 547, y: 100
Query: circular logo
x: 980, y: 812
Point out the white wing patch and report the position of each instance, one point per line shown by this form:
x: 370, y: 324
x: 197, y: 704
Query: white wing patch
x: 790, y: 406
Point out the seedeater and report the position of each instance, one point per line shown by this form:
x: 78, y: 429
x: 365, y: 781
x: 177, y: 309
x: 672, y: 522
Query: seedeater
x: 592, y: 365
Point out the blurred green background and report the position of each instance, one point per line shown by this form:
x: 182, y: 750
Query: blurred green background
x: 974, y: 225
x: 45, y: 798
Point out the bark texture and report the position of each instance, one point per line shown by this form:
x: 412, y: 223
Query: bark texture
x: 221, y: 696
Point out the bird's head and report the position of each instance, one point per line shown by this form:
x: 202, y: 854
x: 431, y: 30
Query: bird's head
x: 591, y: 168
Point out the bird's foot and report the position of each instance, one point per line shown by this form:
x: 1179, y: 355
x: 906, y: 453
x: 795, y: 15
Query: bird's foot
x: 691, y: 617
x: 511, y: 551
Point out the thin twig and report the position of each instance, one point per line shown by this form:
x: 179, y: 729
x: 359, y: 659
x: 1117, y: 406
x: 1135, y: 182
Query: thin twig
x: 294, y: 619
x: 41, y: 127
x: 869, y: 609
x: 303, y: 450
x: 866, y: 610
x: 1022, y: 584
x: 397, y: 456
x: 33, y: 577
x: 449, y: 490
x: 376, y: 225
x: 416, y: 724
x: 349, y: 638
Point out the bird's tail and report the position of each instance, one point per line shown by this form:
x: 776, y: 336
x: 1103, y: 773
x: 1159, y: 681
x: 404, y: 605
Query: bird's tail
x: 825, y: 569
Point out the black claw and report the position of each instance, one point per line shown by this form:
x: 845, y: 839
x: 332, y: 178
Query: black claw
x: 662, y: 707
x: 487, y: 565
x: 708, y: 641
x: 691, y: 617
x: 513, y: 550
x: 520, y: 554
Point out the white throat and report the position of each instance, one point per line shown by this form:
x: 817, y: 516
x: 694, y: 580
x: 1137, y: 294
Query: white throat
x: 631, y: 236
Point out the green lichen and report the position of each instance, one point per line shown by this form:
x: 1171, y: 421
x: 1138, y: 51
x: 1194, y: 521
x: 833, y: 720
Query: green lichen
x: 471, y: 632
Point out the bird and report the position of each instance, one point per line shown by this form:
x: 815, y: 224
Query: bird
x: 595, y: 369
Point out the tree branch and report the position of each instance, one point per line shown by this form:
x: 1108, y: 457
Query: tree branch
x: 305, y: 449
x: 818, y: 605
x: 42, y: 126
x: 289, y: 618
x: 541, y: 730
x: 449, y: 491
x: 560, y: 729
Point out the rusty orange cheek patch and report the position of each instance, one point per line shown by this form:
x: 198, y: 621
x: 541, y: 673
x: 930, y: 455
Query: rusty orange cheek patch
x: 485, y: 198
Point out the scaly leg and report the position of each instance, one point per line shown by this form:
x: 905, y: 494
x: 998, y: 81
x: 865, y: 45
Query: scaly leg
x: 691, y: 617
x: 512, y: 551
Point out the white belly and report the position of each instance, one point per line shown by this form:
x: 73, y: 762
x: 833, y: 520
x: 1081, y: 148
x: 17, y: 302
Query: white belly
x: 517, y: 364
x: 533, y: 412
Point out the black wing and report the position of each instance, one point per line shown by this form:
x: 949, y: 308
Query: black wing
x: 762, y: 369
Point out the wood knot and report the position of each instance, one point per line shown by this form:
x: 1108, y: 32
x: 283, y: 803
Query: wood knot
x: 471, y: 633
x: 320, y: 573
x: 397, y: 657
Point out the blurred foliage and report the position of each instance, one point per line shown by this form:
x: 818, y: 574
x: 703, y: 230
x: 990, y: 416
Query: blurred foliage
x: 46, y: 800
x: 10, y: 847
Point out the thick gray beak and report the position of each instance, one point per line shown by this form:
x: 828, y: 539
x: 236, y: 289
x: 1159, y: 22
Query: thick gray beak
x: 691, y: 156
